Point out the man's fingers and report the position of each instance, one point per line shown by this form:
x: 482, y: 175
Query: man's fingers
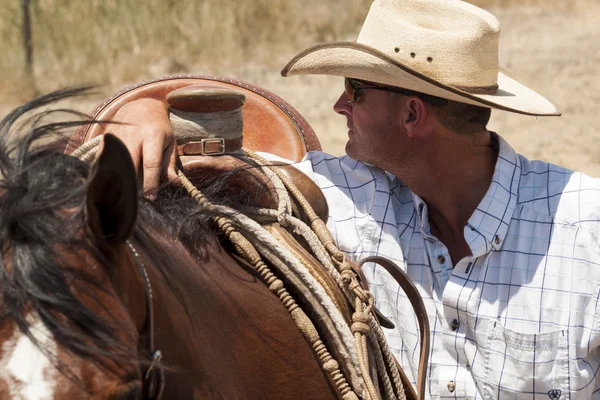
x: 170, y: 159
x: 147, y: 133
x: 152, y: 150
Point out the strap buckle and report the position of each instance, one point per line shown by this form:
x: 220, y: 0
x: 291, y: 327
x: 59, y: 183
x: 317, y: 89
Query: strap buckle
x: 156, y: 357
x: 212, y: 146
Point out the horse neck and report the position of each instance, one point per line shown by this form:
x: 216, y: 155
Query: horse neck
x: 223, y: 332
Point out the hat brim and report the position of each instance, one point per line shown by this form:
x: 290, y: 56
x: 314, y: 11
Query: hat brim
x: 358, y: 61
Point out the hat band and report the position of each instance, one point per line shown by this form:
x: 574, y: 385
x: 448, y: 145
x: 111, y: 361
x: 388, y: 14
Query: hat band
x: 492, y: 89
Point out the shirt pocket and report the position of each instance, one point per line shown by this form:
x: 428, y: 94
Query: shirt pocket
x: 523, y: 365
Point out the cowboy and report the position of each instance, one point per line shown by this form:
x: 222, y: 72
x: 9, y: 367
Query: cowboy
x: 505, y: 251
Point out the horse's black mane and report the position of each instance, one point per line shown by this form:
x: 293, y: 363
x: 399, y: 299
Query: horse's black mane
x: 39, y: 181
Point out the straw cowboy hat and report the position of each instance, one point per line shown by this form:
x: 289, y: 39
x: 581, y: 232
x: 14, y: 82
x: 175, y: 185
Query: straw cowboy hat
x: 445, y: 48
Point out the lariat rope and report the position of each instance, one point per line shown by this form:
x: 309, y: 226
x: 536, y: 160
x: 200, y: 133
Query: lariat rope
x: 364, y: 328
x: 87, y: 151
x: 364, y: 324
x: 231, y: 225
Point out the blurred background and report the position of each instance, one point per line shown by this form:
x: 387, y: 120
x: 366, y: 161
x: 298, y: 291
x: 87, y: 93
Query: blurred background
x: 551, y: 45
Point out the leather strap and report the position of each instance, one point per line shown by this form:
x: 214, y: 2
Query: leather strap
x: 209, y: 147
x: 153, y: 379
x: 419, y: 307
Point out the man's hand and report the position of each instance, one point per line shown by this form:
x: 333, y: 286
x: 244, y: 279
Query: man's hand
x: 145, y: 130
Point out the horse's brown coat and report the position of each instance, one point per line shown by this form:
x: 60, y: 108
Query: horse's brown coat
x: 238, y: 342
x: 222, y: 333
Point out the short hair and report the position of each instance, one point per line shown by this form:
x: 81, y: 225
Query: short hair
x: 463, y: 118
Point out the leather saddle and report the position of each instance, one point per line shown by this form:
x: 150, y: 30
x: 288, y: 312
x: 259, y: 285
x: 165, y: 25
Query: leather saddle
x: 270, y: 125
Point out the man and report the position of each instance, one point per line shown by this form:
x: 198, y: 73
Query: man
x: 505, y: 251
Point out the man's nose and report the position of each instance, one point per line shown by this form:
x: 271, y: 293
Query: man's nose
x: 342, y: 106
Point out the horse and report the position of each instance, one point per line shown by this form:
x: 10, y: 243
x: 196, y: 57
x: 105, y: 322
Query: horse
x: 107, y: 295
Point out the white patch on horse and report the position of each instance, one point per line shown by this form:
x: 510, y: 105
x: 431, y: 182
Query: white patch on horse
x: 27, y: 371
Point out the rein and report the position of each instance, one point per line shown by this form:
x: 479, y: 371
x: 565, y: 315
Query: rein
x: 153, y: 380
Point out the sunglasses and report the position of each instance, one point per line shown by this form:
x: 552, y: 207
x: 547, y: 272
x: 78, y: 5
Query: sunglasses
x: 353, y: 87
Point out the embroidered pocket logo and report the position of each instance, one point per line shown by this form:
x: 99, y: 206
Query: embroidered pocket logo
x: 554, y: 394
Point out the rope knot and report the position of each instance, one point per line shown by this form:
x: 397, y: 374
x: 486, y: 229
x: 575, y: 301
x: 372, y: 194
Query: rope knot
x: 283, y: 220
x: 362, y: 317
x: 331, y: 365
x: 360, y: 323
x: 276, y: 286
x: 345, y: 266
x: 362, y: 294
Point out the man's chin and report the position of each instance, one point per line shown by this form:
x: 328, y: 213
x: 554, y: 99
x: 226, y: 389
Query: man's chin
x: 351, y: 150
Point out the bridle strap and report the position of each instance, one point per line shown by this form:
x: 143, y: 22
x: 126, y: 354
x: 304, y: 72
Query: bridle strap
x: 153, y: 384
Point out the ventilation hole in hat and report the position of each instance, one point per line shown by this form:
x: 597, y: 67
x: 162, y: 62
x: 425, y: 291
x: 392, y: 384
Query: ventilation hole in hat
x: 429, y: 59
x: 413, y: 55
x: 397, y: 49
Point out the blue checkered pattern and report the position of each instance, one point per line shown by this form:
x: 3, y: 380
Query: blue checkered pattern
x: 519, y: 319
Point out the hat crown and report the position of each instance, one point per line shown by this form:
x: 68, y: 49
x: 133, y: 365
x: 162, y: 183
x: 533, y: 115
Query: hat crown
x: 450, y: 41
x: 444, y: 48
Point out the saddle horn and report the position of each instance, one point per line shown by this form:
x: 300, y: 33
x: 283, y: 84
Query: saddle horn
x: 208, y: 121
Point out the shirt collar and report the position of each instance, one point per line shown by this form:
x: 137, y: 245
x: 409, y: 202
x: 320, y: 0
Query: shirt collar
x: 487, y: 226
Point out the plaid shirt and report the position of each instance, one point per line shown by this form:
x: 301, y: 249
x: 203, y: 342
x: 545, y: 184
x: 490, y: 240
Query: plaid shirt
x: 519, y: 318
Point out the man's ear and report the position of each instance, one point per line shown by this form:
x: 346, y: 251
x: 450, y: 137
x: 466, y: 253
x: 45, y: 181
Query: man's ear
x: 111, y: 196
x: 415, y: 116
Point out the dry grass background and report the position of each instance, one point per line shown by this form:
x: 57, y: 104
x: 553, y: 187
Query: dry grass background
x: 553, y: 45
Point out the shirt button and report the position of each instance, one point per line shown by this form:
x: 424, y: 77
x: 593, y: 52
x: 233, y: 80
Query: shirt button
x: 497, y: 239
x: 454, y: 325
x: 441, y: 259
x: 451, y: 386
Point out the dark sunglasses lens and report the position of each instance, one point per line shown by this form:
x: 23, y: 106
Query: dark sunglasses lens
x: 349, y: 90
